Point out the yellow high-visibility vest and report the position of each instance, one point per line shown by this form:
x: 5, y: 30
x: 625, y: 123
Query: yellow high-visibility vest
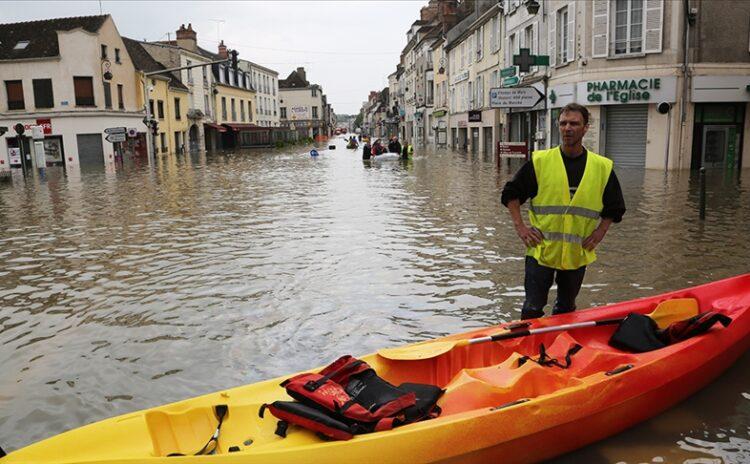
x: 564, y: 221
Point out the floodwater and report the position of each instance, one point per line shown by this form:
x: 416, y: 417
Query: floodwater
x: 121, y: 290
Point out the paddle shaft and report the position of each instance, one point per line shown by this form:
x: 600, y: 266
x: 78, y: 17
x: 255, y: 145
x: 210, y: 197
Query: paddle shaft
x: 554, y: 328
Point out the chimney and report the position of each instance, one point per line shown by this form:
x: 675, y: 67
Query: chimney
x: 223, y: 52
x: 302, y: 74
x: 429, y: 12
x: 187, y: 38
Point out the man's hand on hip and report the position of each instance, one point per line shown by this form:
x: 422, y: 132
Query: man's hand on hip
x: 530, y: 236
x: 597, y: 235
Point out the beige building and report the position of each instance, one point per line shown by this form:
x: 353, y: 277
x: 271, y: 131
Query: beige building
x: 438, y: 123
x: 199, y: 81
x: 168, y: 100
x: 74, y: 78
x: 622, y: 59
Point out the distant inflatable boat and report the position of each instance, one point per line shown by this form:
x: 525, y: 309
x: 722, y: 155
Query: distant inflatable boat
x: 386, y: 157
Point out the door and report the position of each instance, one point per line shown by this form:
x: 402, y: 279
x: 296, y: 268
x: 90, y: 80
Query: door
x: 475, y: 140
x: 90, y: 150
x: 718, y: 146
x: 487, y: 140
x: 626, y: 135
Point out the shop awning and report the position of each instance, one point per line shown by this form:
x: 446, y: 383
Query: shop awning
x: 236, y: 127
x: 218, y: 127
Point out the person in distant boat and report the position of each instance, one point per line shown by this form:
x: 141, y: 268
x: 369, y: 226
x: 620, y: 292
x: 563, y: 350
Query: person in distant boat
x: 575, y: 197
x: 377, y: 148
x: 394, y: 146
x: 366, y: 150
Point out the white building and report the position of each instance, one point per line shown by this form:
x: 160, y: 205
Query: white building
x: 74, y: 77
x: 301, y: 105
x: 266, y: 84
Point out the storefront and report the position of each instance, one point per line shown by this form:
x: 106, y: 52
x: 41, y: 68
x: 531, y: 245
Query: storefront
x: 624, y: 123
x: 440, y: 127
x: 719, y: 121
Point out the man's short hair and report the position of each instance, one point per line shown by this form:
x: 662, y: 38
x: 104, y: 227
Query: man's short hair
x: 576, y: 108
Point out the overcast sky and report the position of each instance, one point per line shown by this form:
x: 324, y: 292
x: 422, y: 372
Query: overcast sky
x: 348, y: 47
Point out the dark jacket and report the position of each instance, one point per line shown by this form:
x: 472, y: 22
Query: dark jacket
x: 394, y: 146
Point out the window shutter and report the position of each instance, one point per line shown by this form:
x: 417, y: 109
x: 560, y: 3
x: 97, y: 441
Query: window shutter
x: 571, y: 32
x: 600, y: 29
x: 535, y: 49
x: 653, y: 25
x: 552, y: 39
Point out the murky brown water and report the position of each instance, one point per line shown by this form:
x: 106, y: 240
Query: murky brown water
x: 125, y: 290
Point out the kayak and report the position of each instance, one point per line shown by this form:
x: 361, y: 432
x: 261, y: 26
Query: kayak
x: 494, y: 409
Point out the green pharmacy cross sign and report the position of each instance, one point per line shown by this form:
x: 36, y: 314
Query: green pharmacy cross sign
x: 525, y: 60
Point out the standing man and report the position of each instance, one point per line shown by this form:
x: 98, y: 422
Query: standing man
x: 575, y: 197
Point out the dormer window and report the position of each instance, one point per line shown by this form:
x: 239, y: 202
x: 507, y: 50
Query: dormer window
x: 21, y: 45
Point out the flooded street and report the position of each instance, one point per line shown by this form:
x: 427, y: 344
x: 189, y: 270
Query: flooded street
x: 129, y: 289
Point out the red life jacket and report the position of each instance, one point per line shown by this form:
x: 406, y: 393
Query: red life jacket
x: 348, y: 397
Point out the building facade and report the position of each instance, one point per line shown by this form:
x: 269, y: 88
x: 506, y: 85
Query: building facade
x: 265, y: 81
x: 302, y: 105
x: 74, y: 78
x: 622, y: 59
x: 184, y: 52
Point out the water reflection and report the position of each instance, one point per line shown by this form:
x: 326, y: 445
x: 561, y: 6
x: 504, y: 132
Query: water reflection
x: 130, y: 288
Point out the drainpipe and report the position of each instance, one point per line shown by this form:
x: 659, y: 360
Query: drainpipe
x: 685, y: 76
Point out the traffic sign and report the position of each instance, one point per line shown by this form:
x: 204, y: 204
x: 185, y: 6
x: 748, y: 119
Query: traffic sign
x: 510, y: 81
x: 508, y: 72
x: 116, y: 130
x: 116, y: 137
x: 518, y: 97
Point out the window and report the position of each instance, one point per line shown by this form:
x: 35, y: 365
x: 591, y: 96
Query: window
x: 314, y: 92
x: 493, y: 34
x: 104, y: 52
x: 189, y: 71
x: 628, y: 27
x: 511, y: 48
x: 43, y: 93
x: 221, y: 74
x: 274, y: 107
x: 529, y: 39
x: 204, y: 73
x: 562, y: 35
x: 163, y: 139
x: 15, y: 95
x: 160, y: 108
x: 282, y: 112
x: 83, y: 87
x: 479, y: 43
x: 480, y: 92
x: 242, y: 111
x: 177, y: 113
x: 120, y: 99
x: 206, y: 105
x: 315, y: 112
x: 107, y: 95
x: 273, y: 86
x: 117, y: 55
x: 470, y: 96
x: 250, y: 111
x: 234, y: 111
x: 21, y: 45
x: 224, y: 108
x: 151, y: 108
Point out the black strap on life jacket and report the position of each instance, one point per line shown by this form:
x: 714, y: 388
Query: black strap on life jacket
x: 314, y: 385
x: 547, y: 361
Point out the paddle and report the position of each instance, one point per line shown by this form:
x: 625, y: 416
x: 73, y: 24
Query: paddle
x: 665, y: 313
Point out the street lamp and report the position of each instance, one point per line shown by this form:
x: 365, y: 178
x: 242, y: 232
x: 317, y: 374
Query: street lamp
x: 532, y: 6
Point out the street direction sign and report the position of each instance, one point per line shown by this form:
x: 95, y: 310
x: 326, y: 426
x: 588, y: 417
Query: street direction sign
x: 508, y: 72
x: 116, y: 130
x: 516, y: 97
x: 510, y: 81
x: 116, y: 137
